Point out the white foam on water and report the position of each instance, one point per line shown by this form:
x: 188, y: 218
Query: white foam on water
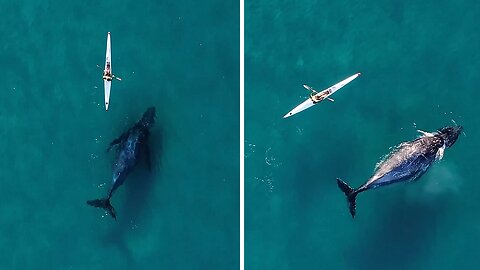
x: 299, y: 130
x: 249, y: 149
x: 267, y: 180
x: 270, y: 159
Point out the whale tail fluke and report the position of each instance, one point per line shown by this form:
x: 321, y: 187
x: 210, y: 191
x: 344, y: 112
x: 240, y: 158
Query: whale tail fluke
x: 351, y: 195
x: 105, y: 204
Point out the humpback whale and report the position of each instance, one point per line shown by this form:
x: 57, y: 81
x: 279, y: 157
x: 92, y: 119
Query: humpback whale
x: 130, y: 146
x: 406, y: 163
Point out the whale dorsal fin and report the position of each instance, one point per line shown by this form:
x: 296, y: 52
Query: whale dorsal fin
x: 426, y: 134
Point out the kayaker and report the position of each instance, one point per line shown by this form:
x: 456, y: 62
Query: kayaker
x: 107, y: 75
x: 318, y: 97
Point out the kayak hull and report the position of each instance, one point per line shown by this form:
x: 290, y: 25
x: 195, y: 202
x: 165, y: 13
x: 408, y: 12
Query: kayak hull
x: 108, y: 65
x: 303, y: 106
x: 332, y: 89
x: 107, y: 85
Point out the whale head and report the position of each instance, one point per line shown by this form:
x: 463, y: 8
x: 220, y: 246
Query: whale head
x: 148, y: 118
x: 450, y: 134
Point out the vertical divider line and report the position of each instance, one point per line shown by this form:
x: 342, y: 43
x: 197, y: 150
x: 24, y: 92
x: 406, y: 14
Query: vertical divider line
x: 242, y: 136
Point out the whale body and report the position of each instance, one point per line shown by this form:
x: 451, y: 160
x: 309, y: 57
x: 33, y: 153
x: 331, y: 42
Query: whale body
x: 130, y: 146
x: 406, y: 163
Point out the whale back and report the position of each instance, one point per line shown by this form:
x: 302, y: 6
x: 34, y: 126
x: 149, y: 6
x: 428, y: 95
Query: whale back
x: 409, y: 170
x: 128, y: 154
x: 407, y: 161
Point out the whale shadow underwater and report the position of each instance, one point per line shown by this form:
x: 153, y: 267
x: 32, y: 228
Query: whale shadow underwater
x: 131, y: 147
x: 403, y: 235
x: 138, y: 191
x: 406, y: 163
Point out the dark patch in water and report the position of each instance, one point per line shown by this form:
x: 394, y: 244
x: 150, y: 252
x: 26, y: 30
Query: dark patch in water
x: 138, y: 188
x: 401, y: 236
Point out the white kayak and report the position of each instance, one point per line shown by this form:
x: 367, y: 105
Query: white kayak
x: 325, y: 94
x: 108, y: 65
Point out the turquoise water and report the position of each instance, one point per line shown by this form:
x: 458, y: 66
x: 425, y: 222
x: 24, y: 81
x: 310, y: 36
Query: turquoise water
x: 180, y: 56
x: 419, y: 64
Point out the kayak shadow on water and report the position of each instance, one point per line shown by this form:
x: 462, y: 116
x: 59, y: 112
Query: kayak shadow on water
x: 401, y: 235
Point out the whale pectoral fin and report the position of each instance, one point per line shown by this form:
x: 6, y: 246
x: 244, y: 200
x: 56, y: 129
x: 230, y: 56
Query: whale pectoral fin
x: 113, y: 143
x: 117, y: 140
x: 425, y: 134
x: 417, y: 175
x: 440, y: 153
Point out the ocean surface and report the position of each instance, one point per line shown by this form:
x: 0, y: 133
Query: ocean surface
x: 420, y: 66
x: 179, y: 56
